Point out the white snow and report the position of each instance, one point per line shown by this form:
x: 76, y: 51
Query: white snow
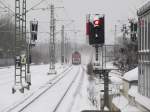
x: 144, y: 101
x: 38, y: 76
x: 78, y: 97
x: 110, y: 66
x: 122, y: 103
x: 115, y: 78
x: 133, y: 91
x: 116, y: 82
x: 132, y: 75
x: 50, y: 99
x: 76, y: 101
x: 106, y: 108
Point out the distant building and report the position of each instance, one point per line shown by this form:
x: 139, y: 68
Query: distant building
x: 144, y: 50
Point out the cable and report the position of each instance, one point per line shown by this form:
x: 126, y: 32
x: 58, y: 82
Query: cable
x: 7, y: 7
x: 35, y: 6
x: 40, y: 9
x: 6, y: 3
x: 67, y: 15
x: 12, y: 14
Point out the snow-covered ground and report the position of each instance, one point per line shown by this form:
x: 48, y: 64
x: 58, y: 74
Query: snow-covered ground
x: 142, y: 100
x: 122, y: 102
x: 38, y: 78
x: 84, y: 93
x: 77, y: 96
x: 124, y: 105
x: 50, y: 99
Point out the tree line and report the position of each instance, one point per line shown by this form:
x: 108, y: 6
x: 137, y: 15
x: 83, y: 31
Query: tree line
x: 7, y: 37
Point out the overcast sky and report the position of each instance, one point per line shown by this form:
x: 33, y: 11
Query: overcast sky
x: 114, y: 10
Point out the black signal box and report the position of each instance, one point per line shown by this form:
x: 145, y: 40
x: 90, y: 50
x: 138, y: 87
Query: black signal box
x: 97, y: 31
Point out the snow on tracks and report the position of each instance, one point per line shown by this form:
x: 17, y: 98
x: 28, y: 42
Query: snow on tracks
x: 22, y: 104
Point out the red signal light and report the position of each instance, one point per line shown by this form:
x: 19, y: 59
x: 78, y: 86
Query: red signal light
x: 98, y: 22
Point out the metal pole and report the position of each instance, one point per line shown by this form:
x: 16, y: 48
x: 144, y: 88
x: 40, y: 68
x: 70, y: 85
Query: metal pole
x: 18, y: 40
x: 28, y: 60
x: 62, y: 45
x: 75, y: 40
x: 105, y: 74
x: 115, y: 35
x: 24, y: 36
x: 65, y: 49
x: 52, y: 41
x: 102, y: 57
x: 28, y: 55
x: 54, y: 33
x: 96, y: 51
x: 106, y: 89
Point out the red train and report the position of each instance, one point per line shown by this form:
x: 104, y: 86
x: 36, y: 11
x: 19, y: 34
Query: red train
x: 76, y: 58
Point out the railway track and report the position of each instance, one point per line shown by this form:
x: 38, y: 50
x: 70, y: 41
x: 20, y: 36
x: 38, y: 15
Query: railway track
x: 65, y: 93
x: 21, y: 105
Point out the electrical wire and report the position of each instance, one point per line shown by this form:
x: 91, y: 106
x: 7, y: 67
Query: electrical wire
x: 35, y: 6
x: 67, y: 15
x: 32, y: 8
x: 7, y: 7
x: 13, y: 13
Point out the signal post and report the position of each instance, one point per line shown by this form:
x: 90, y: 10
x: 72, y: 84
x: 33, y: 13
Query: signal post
x: 95, y: 31
x: 52, y: 41
x: 22, y: 56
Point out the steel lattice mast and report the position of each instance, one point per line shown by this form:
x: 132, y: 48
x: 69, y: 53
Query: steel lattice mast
x: 20, y: 46
x: 62, y: 46
x: 52, y: 41
x: 18, y: 75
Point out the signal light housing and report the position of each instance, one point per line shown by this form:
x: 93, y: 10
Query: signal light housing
x: 34, y: 30
x: 99, y: 31
x: 95, y: 29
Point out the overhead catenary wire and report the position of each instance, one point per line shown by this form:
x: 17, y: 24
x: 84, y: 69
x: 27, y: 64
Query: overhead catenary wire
x: 12, y: 13
x: 35, y: 6
x: 27, y: 10
x: 7, y: 6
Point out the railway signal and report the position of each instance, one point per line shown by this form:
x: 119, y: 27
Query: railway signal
x: 133, y: 29
x: 99, y: 30
x: 34, y: 31
x: 95, y: 29
x: 133, y: 26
